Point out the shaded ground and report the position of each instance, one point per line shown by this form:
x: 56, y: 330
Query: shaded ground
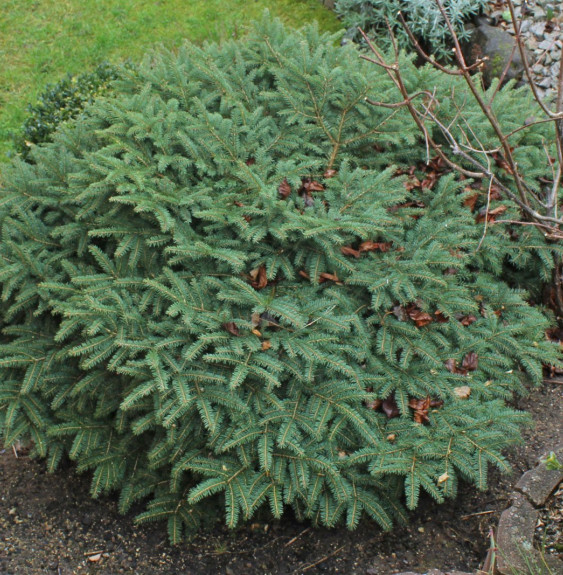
x: 49, y: 524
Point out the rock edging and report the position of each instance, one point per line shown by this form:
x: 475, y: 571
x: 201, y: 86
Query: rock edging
x: 515, y: 534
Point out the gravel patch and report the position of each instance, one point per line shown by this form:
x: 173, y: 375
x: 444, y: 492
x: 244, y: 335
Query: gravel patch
x: 541, y: 27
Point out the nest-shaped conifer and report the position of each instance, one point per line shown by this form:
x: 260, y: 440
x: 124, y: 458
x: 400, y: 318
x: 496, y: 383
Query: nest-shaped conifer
x: 234, y: 280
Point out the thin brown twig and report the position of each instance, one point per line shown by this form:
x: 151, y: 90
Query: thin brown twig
x: 486, y: 223
x: 294, y: 539
x: 321, y: 560
x: 503, y: 75
x: 477, y: 514
x: 400, y: 104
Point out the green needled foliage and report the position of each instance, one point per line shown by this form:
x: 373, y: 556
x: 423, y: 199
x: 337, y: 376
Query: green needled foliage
x: 217, y: 287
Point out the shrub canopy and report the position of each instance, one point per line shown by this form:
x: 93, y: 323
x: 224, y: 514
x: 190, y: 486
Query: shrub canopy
x: 217, y: 284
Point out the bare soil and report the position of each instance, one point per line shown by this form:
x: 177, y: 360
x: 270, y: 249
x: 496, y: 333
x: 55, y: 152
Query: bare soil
x: 49, y: 524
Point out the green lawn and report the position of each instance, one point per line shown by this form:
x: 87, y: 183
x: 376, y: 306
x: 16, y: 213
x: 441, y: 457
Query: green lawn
x: 42, y: 40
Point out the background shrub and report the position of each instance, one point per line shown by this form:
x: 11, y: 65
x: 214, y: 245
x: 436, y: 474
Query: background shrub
x: 225, y: 285
x: 61, y: 102
x: 423, y: 17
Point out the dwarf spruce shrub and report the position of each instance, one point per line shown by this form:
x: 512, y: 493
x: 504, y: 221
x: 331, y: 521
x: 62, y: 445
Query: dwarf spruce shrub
x: 223, y: 290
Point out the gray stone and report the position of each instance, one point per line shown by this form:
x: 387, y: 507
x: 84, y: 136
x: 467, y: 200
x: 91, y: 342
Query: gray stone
x: 525, y: 26
x: 539, y: 483
x: 531, y: 42
x: 515, y: 536
x: 497, y: 45
x: 546, y: 44
x: 545, y: 83
x: 538, y: 29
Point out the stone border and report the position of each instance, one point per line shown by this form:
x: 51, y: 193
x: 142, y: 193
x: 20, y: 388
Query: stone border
x: 516, y: 528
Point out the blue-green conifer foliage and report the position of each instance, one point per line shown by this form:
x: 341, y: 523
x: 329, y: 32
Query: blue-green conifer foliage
x: 217, y: 288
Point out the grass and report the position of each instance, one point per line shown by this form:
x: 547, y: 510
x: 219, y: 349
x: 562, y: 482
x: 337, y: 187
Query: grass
x: 529, y: 563
x: 42, y: 40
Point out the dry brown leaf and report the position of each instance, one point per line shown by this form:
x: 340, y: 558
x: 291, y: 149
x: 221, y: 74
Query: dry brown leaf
x: 440, y: 317
x: 349, y: 251
x: 231, y: 327
x: 419, y: 317
x: 374, y: 404
x: 491, y: 215
x: 370, y: 246
x: 451, y: 365
x: 502, y: 163
x: 284, y: 189
x: 467, y: 320
x: 463, y: 392
x: 420, y: 407
x: 328, y: 277
x: 400, y: 313
x: 470, y: 361
x: 312, y: 186
x: 258, y: 276
x: 390, y: 407
x: 430, y: 181
x: 412, y: 183
x: 470, y: 201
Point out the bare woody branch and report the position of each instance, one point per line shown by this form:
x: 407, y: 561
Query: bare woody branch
x: 542, y: 213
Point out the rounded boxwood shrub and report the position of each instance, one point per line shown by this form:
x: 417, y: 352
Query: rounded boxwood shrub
x: 64, y: 101
x: 217, y: 287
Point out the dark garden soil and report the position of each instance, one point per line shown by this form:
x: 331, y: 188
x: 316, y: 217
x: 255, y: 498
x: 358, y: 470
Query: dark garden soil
x: 49, y: 524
